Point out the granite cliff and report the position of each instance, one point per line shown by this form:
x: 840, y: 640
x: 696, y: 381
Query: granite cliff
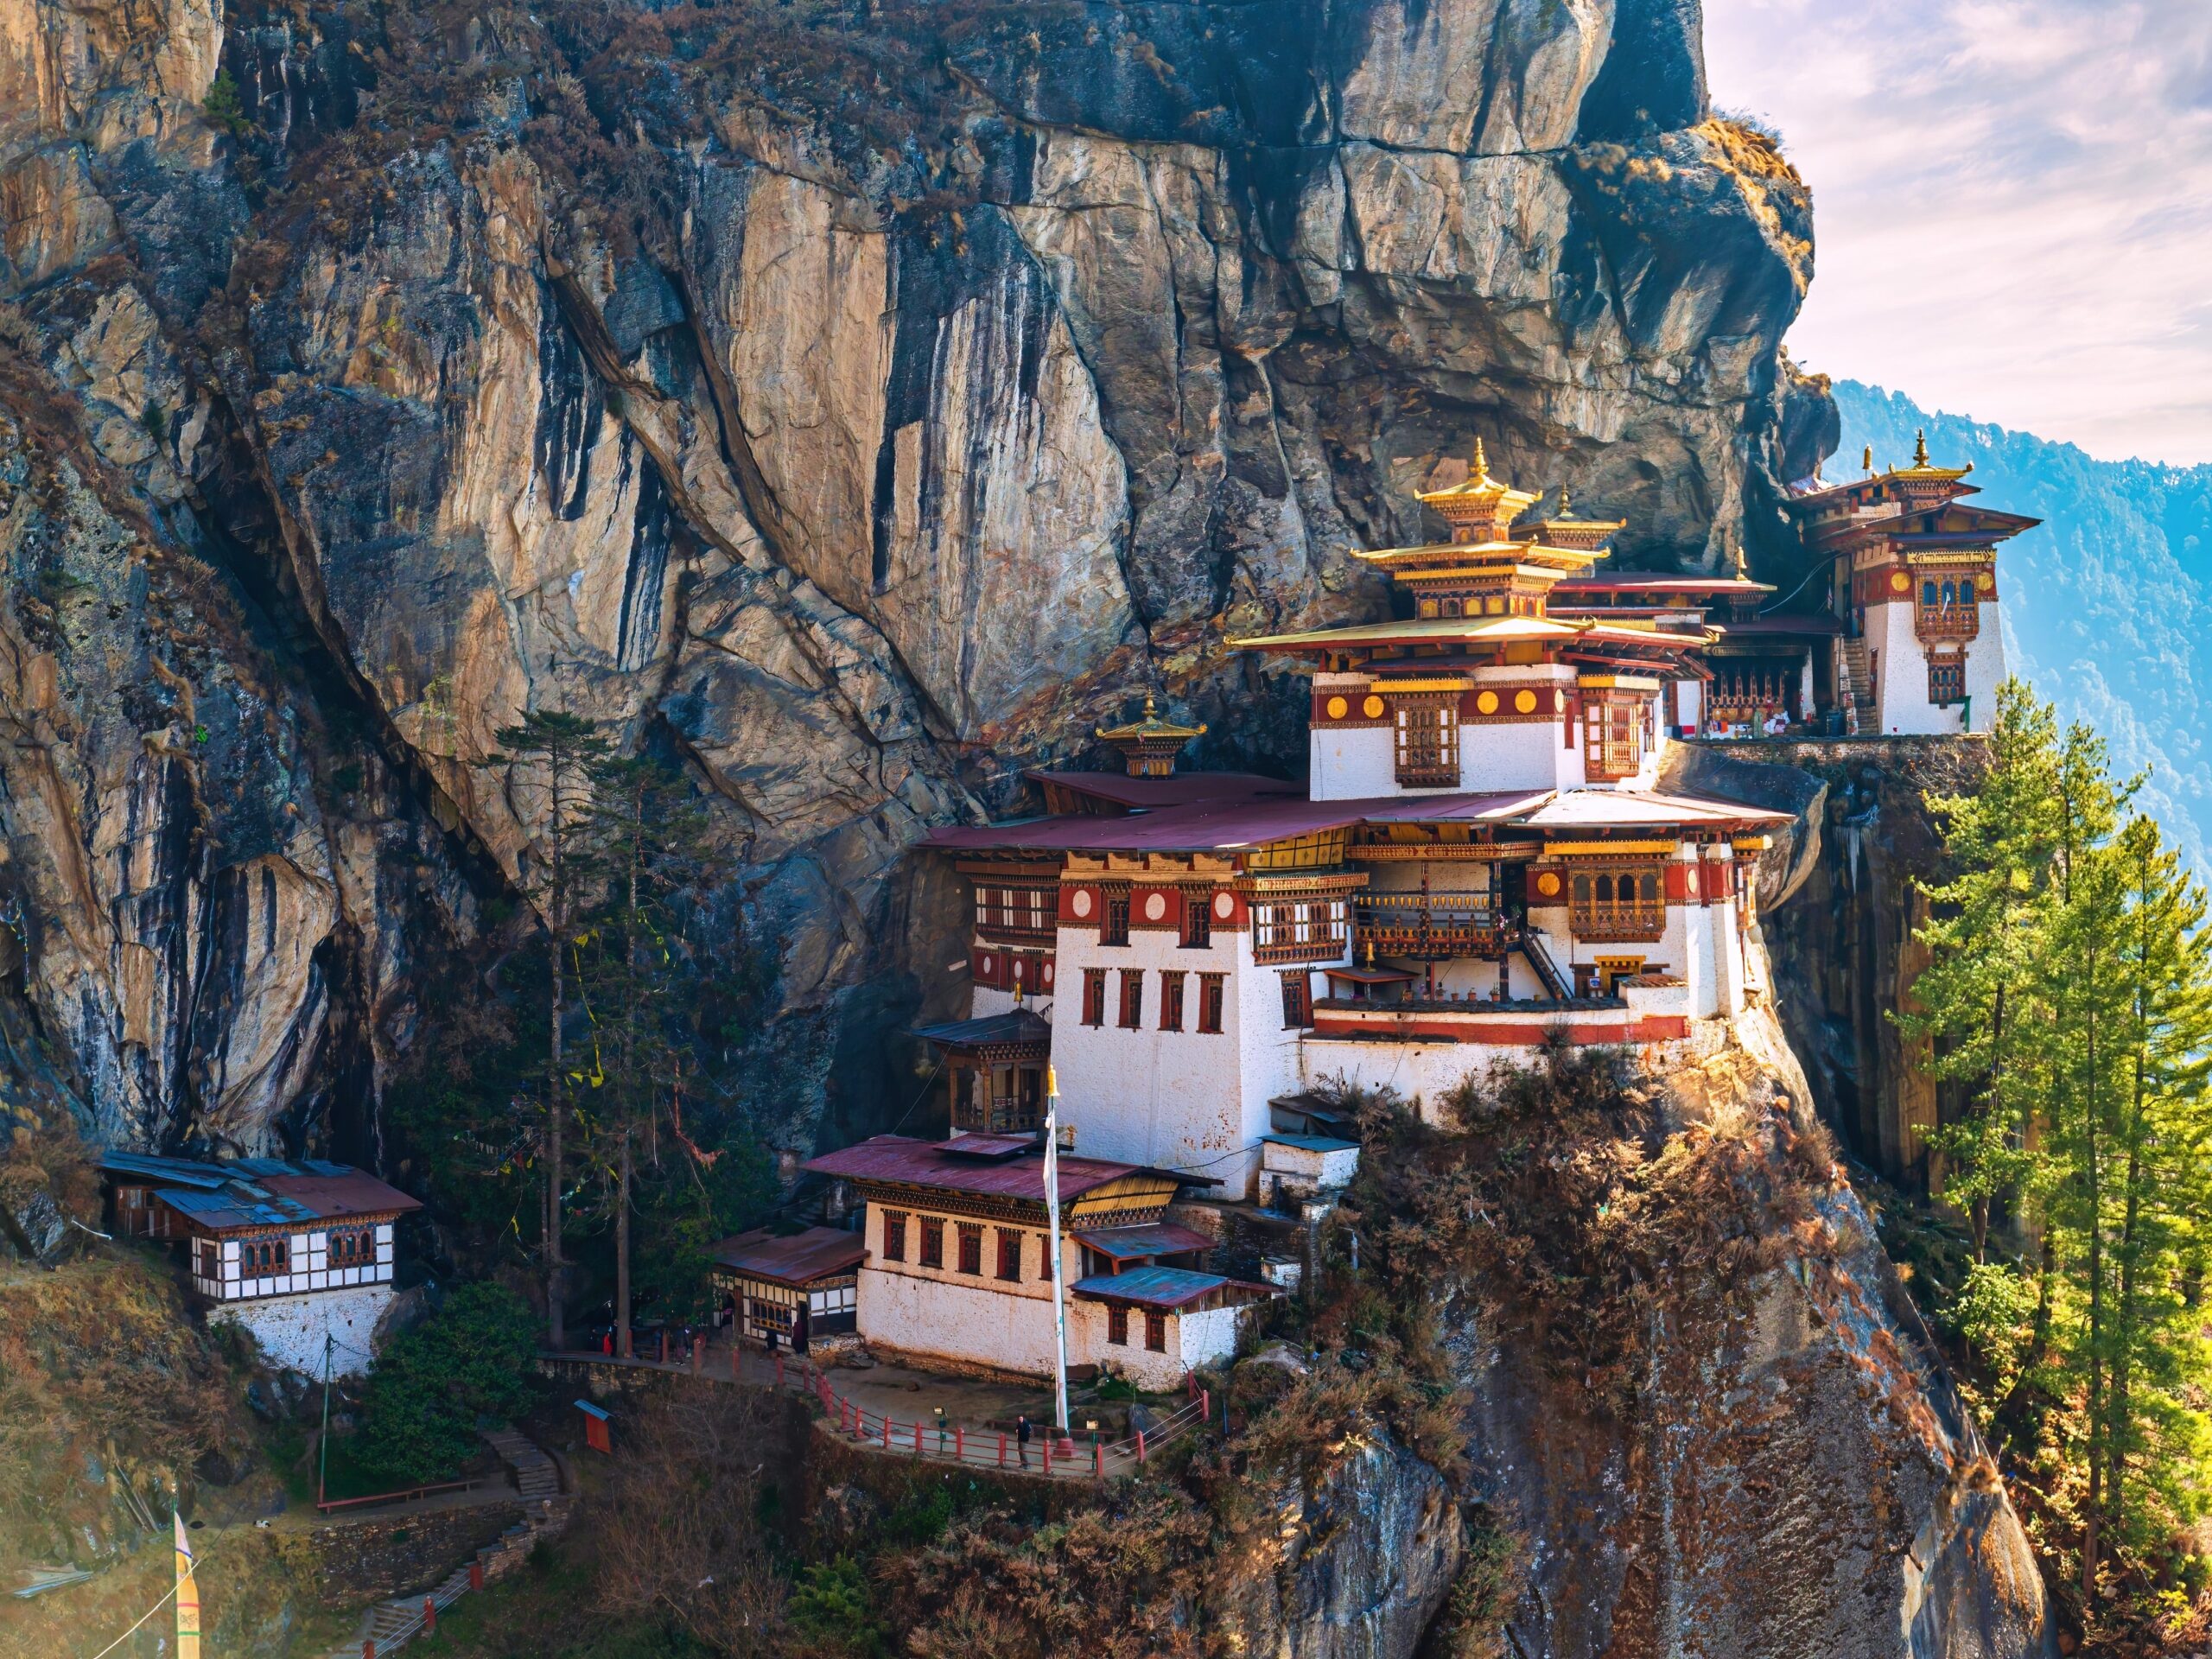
x: 857, y: 404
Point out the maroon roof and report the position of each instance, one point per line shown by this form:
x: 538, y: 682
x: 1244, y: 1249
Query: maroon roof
x: 1216, y: 826
x: 910, y: 1162
x: 1150, y: 793
x: 331, y: 1197
x: 1627, y: 581
x: 1765, y: 625
x: 817, y: 1253
x: 1128, y: 1244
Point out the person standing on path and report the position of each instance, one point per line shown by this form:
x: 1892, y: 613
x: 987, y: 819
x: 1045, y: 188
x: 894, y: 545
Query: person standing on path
x: 1021, y: 1437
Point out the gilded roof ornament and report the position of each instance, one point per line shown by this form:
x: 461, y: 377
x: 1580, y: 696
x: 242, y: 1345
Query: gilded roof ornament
x: 1149, y: 745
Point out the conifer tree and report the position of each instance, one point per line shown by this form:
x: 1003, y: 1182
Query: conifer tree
x: 549, y: 759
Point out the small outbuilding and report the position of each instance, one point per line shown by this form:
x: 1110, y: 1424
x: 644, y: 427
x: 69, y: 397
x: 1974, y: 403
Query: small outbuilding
x: 792, y: 1286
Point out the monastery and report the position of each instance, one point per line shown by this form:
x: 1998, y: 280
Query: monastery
x: 1480, y: 857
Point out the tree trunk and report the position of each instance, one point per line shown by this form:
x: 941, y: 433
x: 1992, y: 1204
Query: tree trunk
x: 555, y: 1316
x: 622, y: 1248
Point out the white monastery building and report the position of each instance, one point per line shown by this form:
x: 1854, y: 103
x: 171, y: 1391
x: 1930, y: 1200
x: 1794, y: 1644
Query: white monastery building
x: 296, y: 1252
x: 1482, y: 858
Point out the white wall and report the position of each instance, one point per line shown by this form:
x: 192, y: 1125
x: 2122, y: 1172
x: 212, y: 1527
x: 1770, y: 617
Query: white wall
x: 975, y: 1321
x: 1903, y: 674
x: 1352, y: 763
x: 309, y: 1268
x: 290, y: 1329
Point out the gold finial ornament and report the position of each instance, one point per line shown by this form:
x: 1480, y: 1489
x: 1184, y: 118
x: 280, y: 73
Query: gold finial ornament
x: 1867, y: 460
x: 1920, y: 447
x: 1743, y: 566
x: 1150, y: 745
x: 1566, y: 502
x: 1482, y: 463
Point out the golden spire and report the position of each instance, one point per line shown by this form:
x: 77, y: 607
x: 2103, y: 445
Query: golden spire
x: 1482, y: 465
x: 1566, y: 502
x: 1743, y: 568
x: 1920, y: 447
x: 1149, y: 746
x: 1867, y: 460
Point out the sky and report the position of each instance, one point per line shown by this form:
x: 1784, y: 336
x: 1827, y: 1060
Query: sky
x: 2012, y: 203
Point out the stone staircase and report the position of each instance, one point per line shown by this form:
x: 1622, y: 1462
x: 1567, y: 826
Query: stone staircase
x: 1858, y: 684
x: 389, y: 1625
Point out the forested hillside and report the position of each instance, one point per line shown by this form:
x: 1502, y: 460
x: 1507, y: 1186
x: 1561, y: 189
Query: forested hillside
x: 2107, y: 607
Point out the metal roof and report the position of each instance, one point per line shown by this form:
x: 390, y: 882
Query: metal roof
x: 1126, y: 1243
x: 242, y: 1193
x: 1144, y: 794
x: 1164, y: 1287
x: 907, y: 1161
x: 1219, y: 826
x: 1630, y: 808
x: 1312, y: 1143
x: 796, y: 1260
x: 1016, y: 1026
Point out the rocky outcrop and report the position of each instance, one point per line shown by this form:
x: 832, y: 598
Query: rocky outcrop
x: 862, y: 427
x: 1791, y: 1474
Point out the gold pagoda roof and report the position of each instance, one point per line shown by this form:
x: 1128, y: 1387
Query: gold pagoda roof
x: 1480, y: 487
x: 1921, y: 471
x: 1150, y: 728
x: 1442, y: 558
x: 1563, y: 529
x: 1480, y: 630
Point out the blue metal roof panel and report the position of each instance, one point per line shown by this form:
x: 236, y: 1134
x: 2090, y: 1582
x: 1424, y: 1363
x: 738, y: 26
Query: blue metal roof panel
x: 1167, y: 1288
x: 1312, y: 1143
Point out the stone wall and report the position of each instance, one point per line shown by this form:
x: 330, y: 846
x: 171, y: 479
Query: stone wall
x: 291, y: 1329
x: 366, y: 1559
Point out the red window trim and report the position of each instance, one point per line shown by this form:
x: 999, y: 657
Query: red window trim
x: 894, y: 1236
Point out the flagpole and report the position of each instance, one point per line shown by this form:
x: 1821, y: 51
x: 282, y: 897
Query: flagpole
x: 1052, y: 1243
x: 187, y: 1596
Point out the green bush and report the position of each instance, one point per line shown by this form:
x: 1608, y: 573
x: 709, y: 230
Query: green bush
x: 831, y: 1604
x: 471, y: 1360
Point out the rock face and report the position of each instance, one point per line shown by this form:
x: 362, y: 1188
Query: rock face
x: 1838, y: 910
x: 1795, y: 1476
x: 864, y: 427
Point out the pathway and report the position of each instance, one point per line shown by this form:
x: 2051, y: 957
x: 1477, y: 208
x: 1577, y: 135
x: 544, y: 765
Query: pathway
x: 389, y: 1625
x: 897, y: 1411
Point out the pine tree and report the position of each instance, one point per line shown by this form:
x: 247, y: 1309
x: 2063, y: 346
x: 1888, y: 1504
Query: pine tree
x: 549, y: 759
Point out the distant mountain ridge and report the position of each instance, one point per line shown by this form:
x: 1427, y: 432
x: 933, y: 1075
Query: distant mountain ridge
x: 2108, y: 605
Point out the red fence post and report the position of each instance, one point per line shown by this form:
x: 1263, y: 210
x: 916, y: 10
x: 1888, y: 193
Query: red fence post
x: 887, y: 1433
x: 476, y: 1574
x: 1002, y: 1450
x: 918, y: 1437
x: 368, y: 1647
x: 1048, y: 1449
x: 779, y: 1368
x: 959, y: 1443
x: 430, y: 1617
x: 1139, y: 1446
x: 1205, y: 1405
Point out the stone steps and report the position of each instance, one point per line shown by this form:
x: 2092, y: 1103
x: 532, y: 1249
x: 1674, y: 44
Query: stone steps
x: 389, y: 1625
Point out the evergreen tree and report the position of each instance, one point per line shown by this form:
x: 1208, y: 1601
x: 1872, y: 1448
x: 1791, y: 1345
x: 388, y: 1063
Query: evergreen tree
x: 550, y: 760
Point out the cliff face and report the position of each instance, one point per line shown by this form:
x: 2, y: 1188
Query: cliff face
x: 862, y: 405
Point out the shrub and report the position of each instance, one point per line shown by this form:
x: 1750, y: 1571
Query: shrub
x: 473, y: 1359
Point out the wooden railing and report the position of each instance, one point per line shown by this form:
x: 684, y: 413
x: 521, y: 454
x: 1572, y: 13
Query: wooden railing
x: 1429, y: 927
x: 1634, y: 919
x: 1948, y: 621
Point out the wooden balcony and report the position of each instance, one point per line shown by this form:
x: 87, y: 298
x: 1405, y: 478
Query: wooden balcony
x: 1948, y: 621
x: 1603, y: 923
x: 1429, y: 927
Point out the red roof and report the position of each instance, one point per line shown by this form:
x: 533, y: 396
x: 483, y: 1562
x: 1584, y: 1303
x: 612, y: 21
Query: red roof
x: 1217, y: 826
x: 1185, y: 787
x: 331, y: 1197
x: 798, y: 1259
x: 906, y: 1162
x: 1627, y: 581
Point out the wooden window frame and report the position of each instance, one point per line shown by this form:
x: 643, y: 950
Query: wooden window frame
x: 1045, y: 1257
x: 1171, y: 998
x: 1947, y: 671
x: 1114, y: 916
x: 1117, y: 1325
x: 1132, y: 1003
x: 972, y: 1248
x: 1198, y: 921
x: 1213, y: 994
x: 1425, y: 740
x: 1297, y: 1001
x: 1094, y: 996
x: 894, y: 1236
x: 1009, y: 1255
x: 1311, y: 929
x: 1595, y: 911
x: 931, y: 1254
x: 1155, y: 1331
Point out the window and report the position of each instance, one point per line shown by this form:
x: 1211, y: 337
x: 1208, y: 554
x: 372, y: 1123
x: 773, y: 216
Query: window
x: 1094, y: 996
x: 1297, y: 1001
x: 1009, y: 1255
x: 1045, y: 1257
x: 1428, y: 740
x: 971, y: 1249
x: 1117, y: 1325
x: 1628, y: 904
x: 1155, y: 1331
x: 1132, y: 998
x: 352, y: 1249
x: 932, y: 1241
x: 894, y: 1236
x: 268, y: 1256
x: 1613, y: 735
x: 1209, y: 1000
x: 1198, y: 920
x: 211, y: 1260
x: 1115, y: 928
x: 1171, y: 1000
x: 1298, y: 930
x: 1947, y: 680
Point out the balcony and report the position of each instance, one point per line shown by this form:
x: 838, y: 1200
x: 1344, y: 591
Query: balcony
x: 1429, y: 927
x: 1948, y: 621
x: 1601, y: 923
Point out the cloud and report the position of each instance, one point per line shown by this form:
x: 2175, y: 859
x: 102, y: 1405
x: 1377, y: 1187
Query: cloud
x: 2013, y: 198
